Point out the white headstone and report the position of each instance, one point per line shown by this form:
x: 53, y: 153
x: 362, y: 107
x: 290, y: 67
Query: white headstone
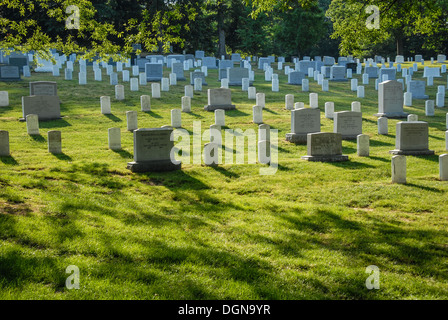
x: 245, y: 84
x: 349, y: 73
x: 289, y: 102
x: 329, y: 110
x: 125, y: 75
x: 4, y: 143
x: 412, y: 117
x: 356, y: 106
x: 260, y: 99
x: 197, y: 84
x: 408, y: 99
x: 119, y: 92
x: 320, y: 79
x: 155, y: 90
x: 131, y: 120
x: 176, y: 118
x: 134, y: 84
x: 186, y: 104
x: 257, y: 114
x: 363, y: 144
x: 264, y: 132
x: 443, y: 167
x: 383, y: 127
x: 114, y: 138
x: 4, y: 99
x: 82, y: 78
x: 354, y: 84
x: 360, y: 92
x: 32, y: 124
x: 54, y: 141
x: 440, y: 100
x: 225, y: 83
x: 399, y: 169
x: 275, y: 86
x: 173, y: 79
x: 251, y: 93
x: 220, y: 119
x: 264, y: 152
x: 188, y: 91
x: 135, y: 71
x: 26, y: 71
x: 305, y: 85
x: 165, y: 84
x: 145, y: 103
x: 314, y: 100
x: 105, y: 105
x: 429, y: 108
x: 210, y: 154
x: 142, y: 79
x: 446, y: 140
x: 98, y: 75
x: 365, y: 78
x: 325, y: 85
x: 299, y: 105
x: 55, y: 71
x: 68, y: 74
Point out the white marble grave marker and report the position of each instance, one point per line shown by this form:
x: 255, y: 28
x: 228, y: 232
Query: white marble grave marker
x: 145, y: 103
x: 114, y: 138
x: 399, y: 169
x: 32, y: 124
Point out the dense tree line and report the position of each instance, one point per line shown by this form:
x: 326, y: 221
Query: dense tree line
x: 249, y: 27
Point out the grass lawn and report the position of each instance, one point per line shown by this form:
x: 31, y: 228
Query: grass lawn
x: 307, y: 232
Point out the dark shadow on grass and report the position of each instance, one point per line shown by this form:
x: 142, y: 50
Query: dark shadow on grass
x: 369, y: 121
x: 6, y: 109
x: 113, y: 118
x: 424, y: 188
x: 351, y: 165
x: 270, y: 111
x: 379, y: 159
x: 59, y: 123
x: 9, y: 160
x: 124, y: 154
x: 432, y: 158
x: 62, y: 156
x: 376, y: 143
x: 153, y: 114
x: 196, y: 115
x: 225, y: 172
x: 283, y: 150
x: 173, y: 180
x: 283, y: 168
x: 436, y: 138
x: 38, y: 138
x: 348, y: 150
x: 236, y: 113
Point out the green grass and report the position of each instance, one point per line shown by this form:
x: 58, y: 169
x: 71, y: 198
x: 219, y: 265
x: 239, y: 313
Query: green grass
x: 307, y: 232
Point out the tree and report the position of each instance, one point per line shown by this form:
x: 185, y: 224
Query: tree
x: 254, y: 33
x: 40, y: 25
x: 297, y: 30
x: 399, y: 20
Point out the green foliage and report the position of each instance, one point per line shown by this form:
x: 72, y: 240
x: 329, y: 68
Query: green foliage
x: 103, y: 36
x: 297, y: 30
x: 399, y: 20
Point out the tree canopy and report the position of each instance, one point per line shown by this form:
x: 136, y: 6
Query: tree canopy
x: 400, y: 21
x: 256, y: 27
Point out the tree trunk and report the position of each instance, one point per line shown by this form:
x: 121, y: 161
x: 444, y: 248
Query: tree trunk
x: 400, y: 48
x: 221, y: 32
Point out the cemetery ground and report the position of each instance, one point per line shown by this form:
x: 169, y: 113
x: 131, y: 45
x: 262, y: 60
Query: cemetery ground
x: 307, y: 232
